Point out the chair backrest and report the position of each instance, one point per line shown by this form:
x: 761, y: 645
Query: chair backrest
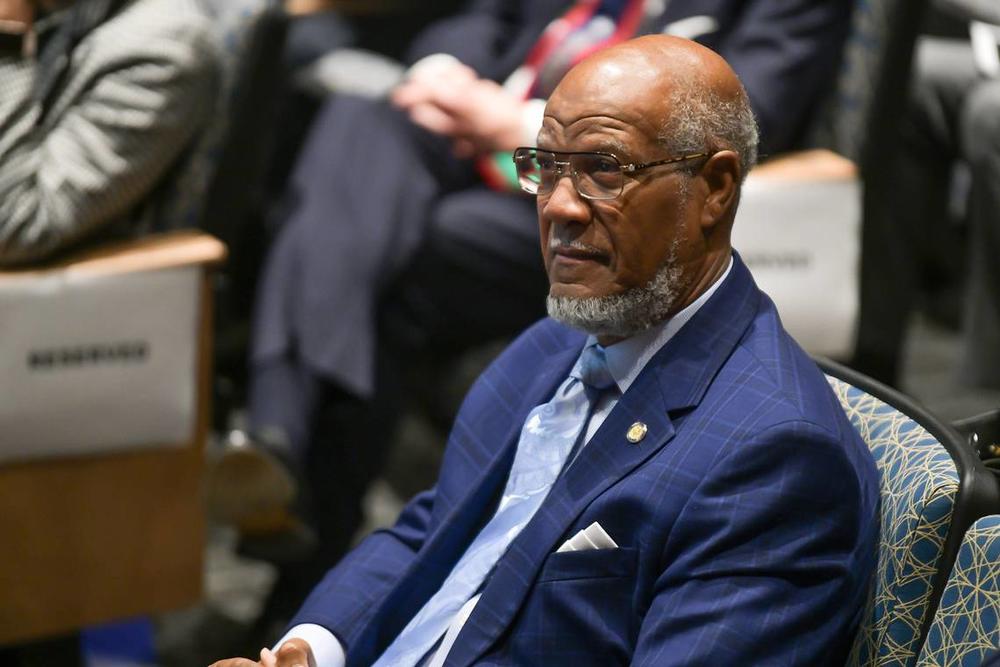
x: 932, y: 486
x: 966, y: 626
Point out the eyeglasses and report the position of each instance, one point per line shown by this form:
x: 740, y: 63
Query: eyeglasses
x: 595, y: 175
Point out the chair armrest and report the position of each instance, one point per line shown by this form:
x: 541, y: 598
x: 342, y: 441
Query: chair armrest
x: 798, y: 230
x: 111, y: 332
x: 810, y: 165
x: 149, y: 253
x: 349, y: 7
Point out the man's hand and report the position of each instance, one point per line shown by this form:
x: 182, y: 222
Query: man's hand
x: 293, y: 653
x: 478, y: 114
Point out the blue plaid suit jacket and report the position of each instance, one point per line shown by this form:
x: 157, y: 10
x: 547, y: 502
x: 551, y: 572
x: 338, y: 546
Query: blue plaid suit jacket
x: 746, y: 518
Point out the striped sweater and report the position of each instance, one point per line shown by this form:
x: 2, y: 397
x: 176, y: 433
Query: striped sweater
x: 127, y: 103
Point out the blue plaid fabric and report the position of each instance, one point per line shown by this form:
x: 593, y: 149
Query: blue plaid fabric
x: 548, y: 437
x: 745, y: 518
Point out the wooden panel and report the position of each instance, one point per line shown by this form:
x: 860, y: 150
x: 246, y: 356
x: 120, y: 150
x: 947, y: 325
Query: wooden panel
x: 87, y: 540
x: 810, y: 165
x: 149, y: 253
x: 350, y: 7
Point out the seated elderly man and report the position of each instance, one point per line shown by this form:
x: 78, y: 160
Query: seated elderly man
x: 100, y: 99
x: 396, y: 250
x: 657, y: 474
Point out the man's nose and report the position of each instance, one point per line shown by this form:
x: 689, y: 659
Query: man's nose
x: 564, y: 204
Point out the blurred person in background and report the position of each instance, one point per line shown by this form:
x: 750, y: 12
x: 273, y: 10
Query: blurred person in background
x: 401, y: 233
x: 99, y: 100
x: 953, y: 116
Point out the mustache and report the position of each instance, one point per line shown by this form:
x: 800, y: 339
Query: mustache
x: 572, y: 244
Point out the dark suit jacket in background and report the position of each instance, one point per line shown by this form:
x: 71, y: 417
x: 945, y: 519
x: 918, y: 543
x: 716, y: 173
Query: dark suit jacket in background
x: 372, y: 193
x: 746, y: 518
x: 785, y: 52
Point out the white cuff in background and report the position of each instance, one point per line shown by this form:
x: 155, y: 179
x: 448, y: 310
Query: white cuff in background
x: 985, y: 39
x: 326, y: 648
x: 531, y: 113
x: 531, y: 121
x: 432, y: 62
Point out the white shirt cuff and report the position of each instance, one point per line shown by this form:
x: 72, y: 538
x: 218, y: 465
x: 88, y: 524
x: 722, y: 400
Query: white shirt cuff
x: 985, y: 39
x: 432, y: 62
x: 532, y: 114
x: 326, y: 648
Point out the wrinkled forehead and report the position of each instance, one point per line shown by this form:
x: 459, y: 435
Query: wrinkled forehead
x: 610, y: 102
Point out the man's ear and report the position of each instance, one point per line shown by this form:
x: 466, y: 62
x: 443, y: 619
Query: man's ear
x: 722, y: 176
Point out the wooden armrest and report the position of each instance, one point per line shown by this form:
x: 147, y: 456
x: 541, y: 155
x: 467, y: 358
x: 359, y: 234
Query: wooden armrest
x: 149, y: 253
x: 349, y: 7
x: 811, y: 165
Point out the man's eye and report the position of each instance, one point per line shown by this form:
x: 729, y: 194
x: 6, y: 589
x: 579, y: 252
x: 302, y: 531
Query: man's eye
x: 604, y: 167
x: 545, y: 163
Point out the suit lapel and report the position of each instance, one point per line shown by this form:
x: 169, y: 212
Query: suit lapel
x: 606, y: 459
x: 467, y: 515
x: 674, y: 380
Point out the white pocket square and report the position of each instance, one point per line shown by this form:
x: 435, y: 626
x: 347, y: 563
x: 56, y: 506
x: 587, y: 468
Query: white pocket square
x: 591, y: 537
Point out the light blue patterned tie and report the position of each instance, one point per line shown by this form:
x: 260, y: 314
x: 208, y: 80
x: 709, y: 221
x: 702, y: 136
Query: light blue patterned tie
x: 548, y: 436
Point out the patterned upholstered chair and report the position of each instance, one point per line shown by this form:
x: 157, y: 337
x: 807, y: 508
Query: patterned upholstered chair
x: 932, y: 486
x: 966, y: 626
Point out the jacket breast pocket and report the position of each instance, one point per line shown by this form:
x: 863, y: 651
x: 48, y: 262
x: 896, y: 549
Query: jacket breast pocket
x: 589, y: 564
x: 580, y: 609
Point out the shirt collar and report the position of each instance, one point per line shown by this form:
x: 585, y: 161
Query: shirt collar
x: 627, y: 358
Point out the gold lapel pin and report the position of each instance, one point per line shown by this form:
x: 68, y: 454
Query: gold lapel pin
x: 636, y: 432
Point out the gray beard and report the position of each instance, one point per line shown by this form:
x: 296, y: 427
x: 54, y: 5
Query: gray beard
x: 626, y: 314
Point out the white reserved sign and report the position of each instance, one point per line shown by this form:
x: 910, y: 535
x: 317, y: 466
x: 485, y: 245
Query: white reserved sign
x: 802, y: 242
x: 94, y: 363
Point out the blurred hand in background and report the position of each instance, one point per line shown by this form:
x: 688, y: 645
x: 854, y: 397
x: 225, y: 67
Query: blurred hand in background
x: 449, y: 99
x: 17, y: 11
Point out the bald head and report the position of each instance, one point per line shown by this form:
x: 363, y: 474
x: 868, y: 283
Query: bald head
x: 656, y: 63
x: 678, y: 91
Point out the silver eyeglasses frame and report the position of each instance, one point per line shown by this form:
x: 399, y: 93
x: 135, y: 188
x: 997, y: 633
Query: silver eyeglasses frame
x: 564, y: 167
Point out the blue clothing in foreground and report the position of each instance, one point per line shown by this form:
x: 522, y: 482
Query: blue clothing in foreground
x: 746, y: 518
